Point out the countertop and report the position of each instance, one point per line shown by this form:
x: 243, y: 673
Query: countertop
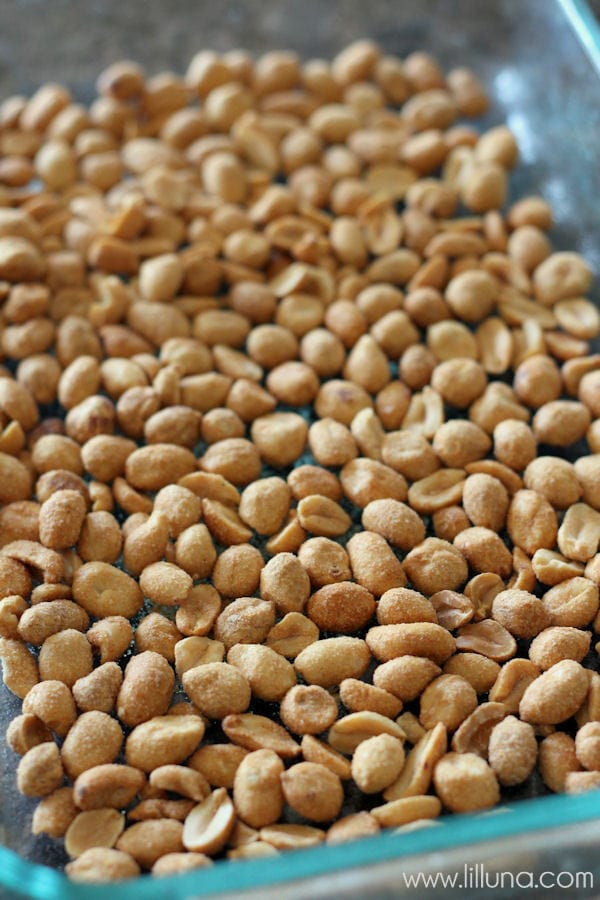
x: 72, y: 40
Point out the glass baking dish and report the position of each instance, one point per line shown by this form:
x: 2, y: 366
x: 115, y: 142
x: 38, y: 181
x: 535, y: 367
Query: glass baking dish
x: 540, y: 61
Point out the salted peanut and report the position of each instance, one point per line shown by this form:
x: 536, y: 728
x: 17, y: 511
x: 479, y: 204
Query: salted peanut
x: 218, y: 763
x: 473, y: 735
x: 587, y: 471
x: 107, y: 785
x: 153, y: 467
x: 365, y: 480
x: 209, y: 825
x: 65, y: 656
x: 52, y: 702
x: 448, y: 699
x: 478, y: 670
x: 484, y: 550
x: 103, y: 590
x: 487, y: 637
x: 416, y: 774
x: 237, y: 571
x: 48, y: 562
x: 93, y: 828
x: 374, y: 565
x: 407, y: 809
x: 314, y: 750
x: 457, y: 443
x: 289, y: 539
x: 472, y: 295
x: 377, y: 762
x: 435, y: 565
x: 264, y: 505
x: 308, y: 709
x: 280, y: 437
x: 257, y: 792
x: 367, y: 430
x: 268, y: 673
x: 196, y: 651
x: 255, y: 732
x: 331, y: 442
x: 174, y: 863
x: 560, y: 276
x: 423, y: 639
x: 93, y: 740
x: 246, y: 620
x: 328, y: 662
x: 531, y: 521
x: 537, y: 380
x: 195, y: 552
x: 61, y: 519
x: 158, y: 634
x: 39, y: 622
x: 561, y: 422
x: 557, y: 643
x: 401, y: 605
x: 394, y: 521
x: 572, y: 603
x: 180, y: 506
x: 587, y: 746
x: 162, y: 741
x: 351, y: 730
x: 218, y: 689
x: 521, y: 613
x: 551, y: 568
x: 580, y: 782
x: 512, y: 682
x: 40, y: 771
x: 405, y: 676
x: 588, y: 392
x: 514, y: 444
x: 554, y: 479
x: 236, y: 459
x: 100, y: 538
x: 322, y: 516
x: 485, y: 501
x: 557, y: 760
x: 285, y: 582
x: 353, y: 826
x: 460, y: 381
x: 19, y: 667
x: 110, y: 636
x: 306, y: 480
x: 165, y: 583
x: 313, y: 791
x: 147, y: 688
x: 325, y: 561
x: 556, y: 695
x: 25, y: 732
x: 481, y: 590
x: 292, y: 635
x: 358, y: 696
x: 180, y: 780
x: 54, y: 813
x: 344, y: 607
x: 452, y: 609
x: 145, y: 543
x: 224, y: 523
x: 464, y: 782
x: 579, y: 533
x: 148, y: 841
x: 14, y: 579
x: 102, y: 864
x: 512, y: 751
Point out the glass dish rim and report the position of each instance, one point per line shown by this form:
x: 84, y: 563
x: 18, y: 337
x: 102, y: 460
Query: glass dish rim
x: 35, y: 880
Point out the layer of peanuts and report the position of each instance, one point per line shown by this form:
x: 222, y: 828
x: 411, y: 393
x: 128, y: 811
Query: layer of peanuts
x: 291, y: 548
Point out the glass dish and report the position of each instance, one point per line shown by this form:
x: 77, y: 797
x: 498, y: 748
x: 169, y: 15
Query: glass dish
x: 540, y: 60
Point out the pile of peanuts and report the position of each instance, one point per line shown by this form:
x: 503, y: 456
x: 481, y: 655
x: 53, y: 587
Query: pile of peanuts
x: 291, y: 547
